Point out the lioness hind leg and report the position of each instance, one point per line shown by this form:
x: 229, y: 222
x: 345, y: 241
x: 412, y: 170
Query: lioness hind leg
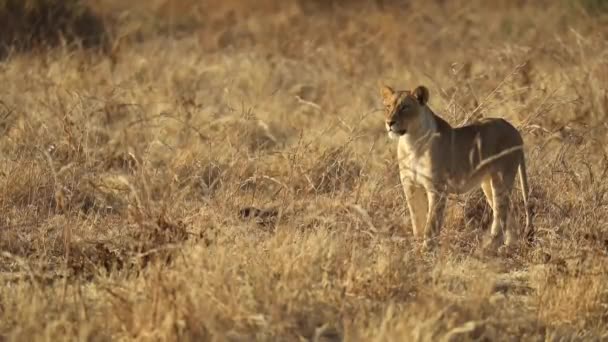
x: 486, y: 186
x: 501, y: 188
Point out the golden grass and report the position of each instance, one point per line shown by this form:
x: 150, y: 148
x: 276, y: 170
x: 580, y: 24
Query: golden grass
x: 123, y: 175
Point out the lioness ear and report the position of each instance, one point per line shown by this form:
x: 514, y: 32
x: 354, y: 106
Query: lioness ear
x: 387, y: 93
x: 421, y: 94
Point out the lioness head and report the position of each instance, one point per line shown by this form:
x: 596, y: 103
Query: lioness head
x: 403, y: 108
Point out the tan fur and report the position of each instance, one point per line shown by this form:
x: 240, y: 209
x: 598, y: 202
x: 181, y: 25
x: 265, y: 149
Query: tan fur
x: 436, y: 159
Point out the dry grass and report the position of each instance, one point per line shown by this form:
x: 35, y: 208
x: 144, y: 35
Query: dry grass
x: 123, y: 174
x: 35, y: 24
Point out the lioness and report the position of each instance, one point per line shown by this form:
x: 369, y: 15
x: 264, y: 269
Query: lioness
x: 436, y: 159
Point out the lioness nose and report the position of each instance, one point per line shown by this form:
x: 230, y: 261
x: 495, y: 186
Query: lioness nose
x: 390, y: 123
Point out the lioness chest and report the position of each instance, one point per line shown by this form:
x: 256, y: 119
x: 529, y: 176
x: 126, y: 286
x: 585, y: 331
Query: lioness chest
x: 416, y: 166
x: 432, y: 167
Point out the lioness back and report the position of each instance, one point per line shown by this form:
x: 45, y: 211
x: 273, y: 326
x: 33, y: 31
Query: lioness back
x: 493, y: 143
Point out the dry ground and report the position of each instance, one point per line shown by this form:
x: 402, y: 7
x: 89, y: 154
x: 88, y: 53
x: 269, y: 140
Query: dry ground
x: 123, y: 172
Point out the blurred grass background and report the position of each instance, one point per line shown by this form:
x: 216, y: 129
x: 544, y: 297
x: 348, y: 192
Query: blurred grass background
x: 134, y: 132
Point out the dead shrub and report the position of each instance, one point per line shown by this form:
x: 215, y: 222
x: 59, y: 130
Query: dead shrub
x: 250, y: 133
x: 210, y: 177
x: 337, y: 170
x: 103, y: 194
x: 477, y: 212
x: 155, y: 235
x: 197, y: 175
x: 193, y: 170
x: 85, y: 259
x: 563, y: 296
x: 29, y: 183
x: 46, y: 23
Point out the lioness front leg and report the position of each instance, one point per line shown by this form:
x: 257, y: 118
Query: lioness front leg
x: 417, y: 203
x: 436, y: 203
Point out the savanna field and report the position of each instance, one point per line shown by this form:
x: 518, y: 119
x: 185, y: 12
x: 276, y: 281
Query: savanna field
x: 138, y: 138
